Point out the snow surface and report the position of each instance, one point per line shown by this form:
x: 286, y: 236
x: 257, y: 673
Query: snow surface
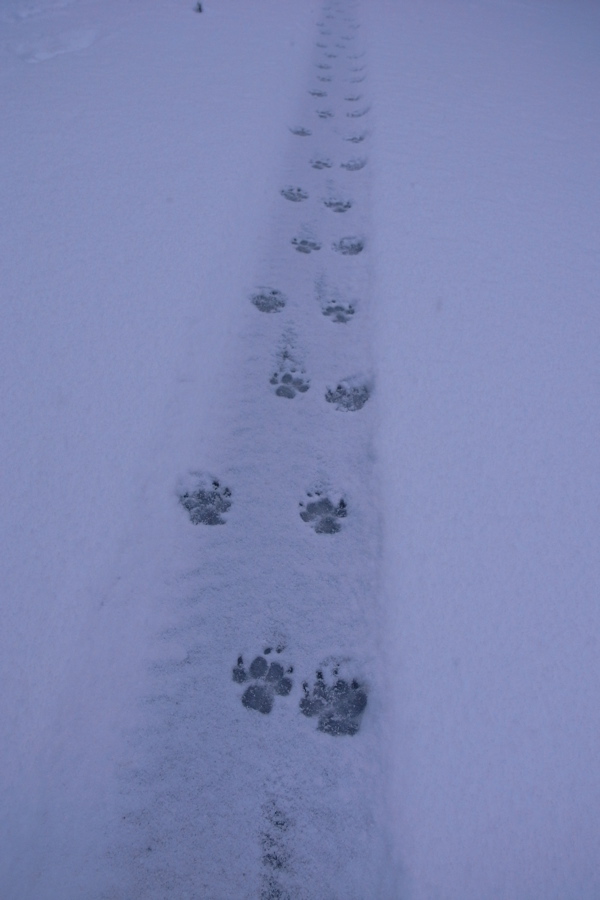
x: 144, y: 148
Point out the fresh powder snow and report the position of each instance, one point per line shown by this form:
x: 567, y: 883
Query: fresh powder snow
x: 300, y: 429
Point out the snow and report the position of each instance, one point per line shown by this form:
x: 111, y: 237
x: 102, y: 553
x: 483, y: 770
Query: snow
x: 144, y: 150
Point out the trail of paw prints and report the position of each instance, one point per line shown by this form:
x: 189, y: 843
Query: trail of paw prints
x: 269, y: 300
x: 337, y: 703
x: 350, y: 394
x: 267, y: 680
x: 275, y: 841
x: 290, y: 377
x: 205, y: 499
x: 322, y: 513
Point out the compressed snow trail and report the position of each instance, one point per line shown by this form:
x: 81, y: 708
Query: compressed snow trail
x: 235, y: 792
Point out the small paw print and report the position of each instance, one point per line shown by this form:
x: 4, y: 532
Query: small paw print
x: 288, y: 384
x: 339, y: 312
x: 305, y: 245
x: 268, y: 680
x: 325, y: 114
x: 206, y: 503
x: 321, y: 162
x: 322, y: 514
x: 338, y: 204
x: 338, y: 706
x: 295, y: 194
x: 301, y: 131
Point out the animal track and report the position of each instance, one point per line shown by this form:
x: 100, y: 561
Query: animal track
x: 339, y: 312
x: 318, y: 93
x: 354, y: 98
x: 276, y: 855
x: 323, y: 78
x: 350, y: 395
x: 207, y: 501
x: 324, y: 113
x: 349, y: 246
x: 268, y: 679
x: 336, y: 204
x: 353, y: 165
x: 290, y: 378
x: 357, y: 80
x: 323, y: 66
x: 301, y: 131
x: 296, y: 194
x: 357, y: 138
x: 322, y: 514
x: 358, y: 113
x: 306, y: 244
x: 339, y: 706
x: 269, y: 300
x: 321, y: 162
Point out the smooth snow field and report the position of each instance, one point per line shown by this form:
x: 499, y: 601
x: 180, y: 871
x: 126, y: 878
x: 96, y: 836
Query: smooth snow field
x: 300, y: 469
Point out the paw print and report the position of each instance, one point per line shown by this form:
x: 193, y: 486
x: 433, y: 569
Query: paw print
x: 306, y: 245
x: 325, y: 114
x: 289, y: 383
x: 349, y: 246
x: 339, y: 312
x: 349, y: 395
x: 267, y: 680
x: 301, y: 131
x: 321, y: 162
x: 338, y: 204
x: 295, y: 194
x: 207, y: 502
x: 323, y: 515
x: 355, y: 164
x: 269, y: 300
x: 338, y: 706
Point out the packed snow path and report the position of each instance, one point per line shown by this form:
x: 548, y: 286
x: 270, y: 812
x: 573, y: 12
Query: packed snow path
x: 299, y: 450
x: 284, y: 798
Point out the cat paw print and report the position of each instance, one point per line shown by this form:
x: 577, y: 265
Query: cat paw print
x: 207, y: 501
x: 325, y: 114
x: 269, y: 300
x: 295, y: 194
x: 338, y: 705
x: 318, y: 93
x: 300, y: 131
x: 321, y: 513
x: 267, y: 680
x: 288, y: 384
x: 321, y: 162
x: 306, y: 244
x: 339, y: 312
x: 338, y: 204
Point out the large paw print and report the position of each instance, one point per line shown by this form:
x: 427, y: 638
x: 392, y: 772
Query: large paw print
x: 269, y: 300
x: 322, y: 514
x: 338, y: 706
x: 350, y: 395
x: 349, y: 246
x: 207, y: 502
x: 267, y: 680
x: 355, y: 164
